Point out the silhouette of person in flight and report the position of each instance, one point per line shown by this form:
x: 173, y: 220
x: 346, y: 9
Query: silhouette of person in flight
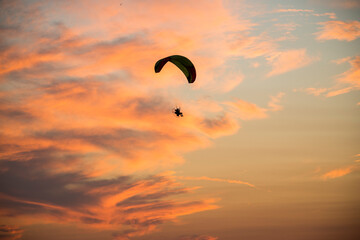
x: 178, y: 112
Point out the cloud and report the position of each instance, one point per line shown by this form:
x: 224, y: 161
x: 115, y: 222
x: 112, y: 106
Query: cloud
x: 307, y: 12
x: 247, y: 111
x: 344, y: 4
x: 8, y: 232
x: 219, y: 126
x: 339, y: 30
x: 216, y: 180
x: 345, y: 82
x: 274, y: 102
x: 339, y: 92
x: 352, y: 76
x: 286, y: 61
x: 341, y: 60
x: 29, y: 191
x: 340, y: 172
x: 86, y: 117
x: 197, y: 237
x: 350, y: 79
x: 241, y: 44
x: 251, y: 46
x: 315, y: 91
x: 294, y: 10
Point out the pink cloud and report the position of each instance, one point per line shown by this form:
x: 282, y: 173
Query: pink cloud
x: 251, y: 46
x: 339, y: 30
x: 341, y: 60
x: 345, y: 82
x: 352, y: 76
x: 347, y: 4
x: 247, y: 111
x: 316, y: 91
x: 307, y: 11
x: 344, y: 4
x: 295, y: 10
x: 286, y: 61
x: 274, y: 102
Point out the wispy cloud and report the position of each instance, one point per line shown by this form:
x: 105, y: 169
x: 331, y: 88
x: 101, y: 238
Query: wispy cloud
x: 339, y: 30
x: 344, y: 4
x: 274, y: 102
x: 352, y: 76
x: 251, y: 46
x: 216, y: 180
x: 197, y: 237
x: 345, y: 82
x: 247, y: 111
x: 340, y: 172
x: 295, y: 10
x: 315, y: 91
x: 8, y: 232
x: 333, y: 93
x: 307, y: 11
x: 286, y: 61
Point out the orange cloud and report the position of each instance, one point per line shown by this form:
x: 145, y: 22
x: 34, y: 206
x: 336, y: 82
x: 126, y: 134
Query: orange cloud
x: 83, y: 108
x: 138, y: 205
x: 339, y: 30
x: 198, y: 237
x: 8, y: 232
x: 340, y: 172
x: 90, y: 112
x: 339, y: 92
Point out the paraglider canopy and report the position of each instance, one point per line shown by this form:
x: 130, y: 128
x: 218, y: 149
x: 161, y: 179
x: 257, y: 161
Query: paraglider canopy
x: 183, y: 63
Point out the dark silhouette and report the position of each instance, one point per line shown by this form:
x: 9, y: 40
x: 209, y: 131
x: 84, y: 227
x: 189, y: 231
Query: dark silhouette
x: 178, y: 112
x: 183, y: 63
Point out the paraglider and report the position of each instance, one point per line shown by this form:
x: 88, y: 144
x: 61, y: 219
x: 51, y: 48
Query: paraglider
x: 185, y: 65
x: 177, y: 112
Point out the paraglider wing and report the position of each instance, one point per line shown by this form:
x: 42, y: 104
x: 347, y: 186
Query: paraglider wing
x: 183, y: 63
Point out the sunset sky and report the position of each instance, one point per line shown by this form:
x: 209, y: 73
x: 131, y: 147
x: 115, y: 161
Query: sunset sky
x: 268, y: 147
